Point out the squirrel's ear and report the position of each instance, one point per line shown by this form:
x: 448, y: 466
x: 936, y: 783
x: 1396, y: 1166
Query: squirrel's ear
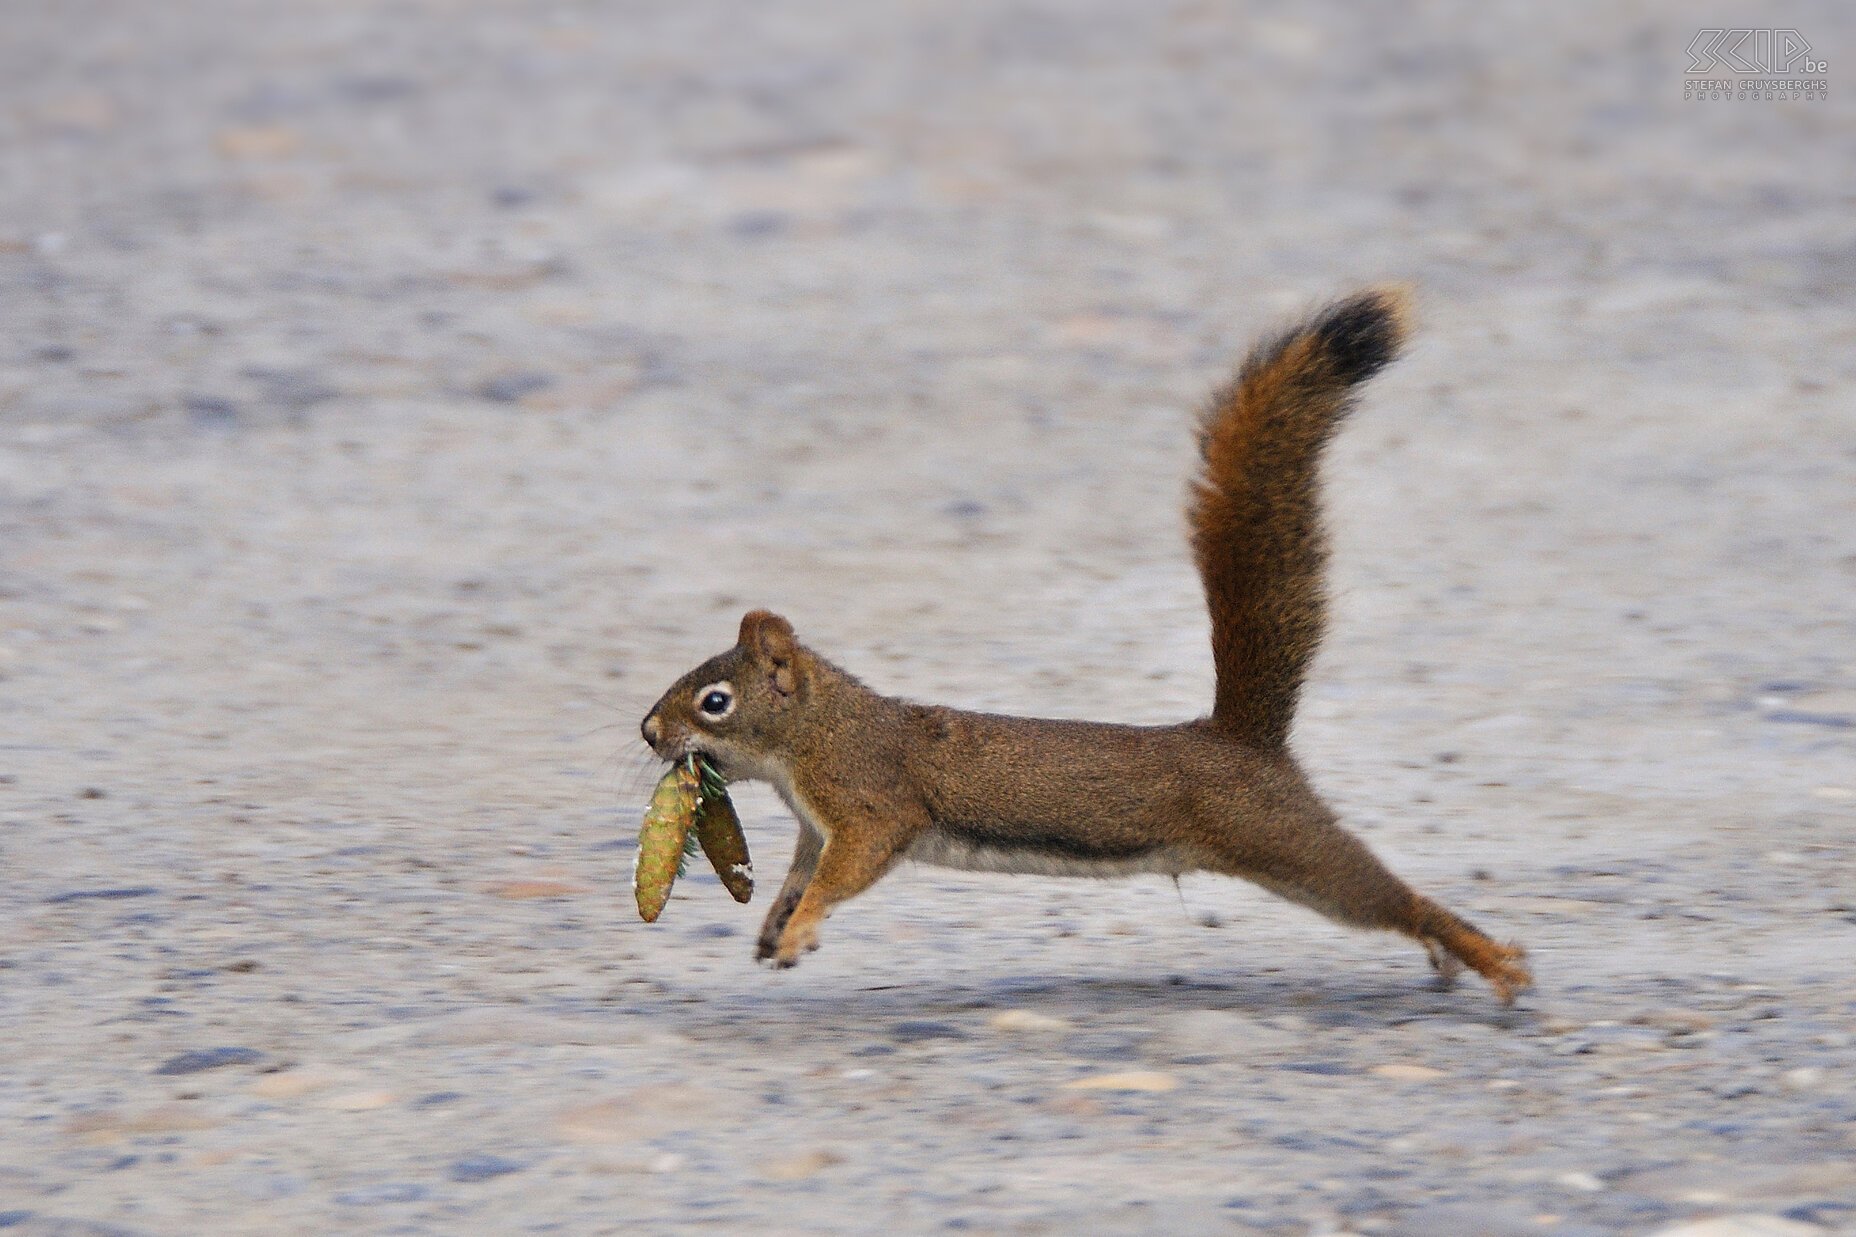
x: 770, y: 637
x: 767, y: 634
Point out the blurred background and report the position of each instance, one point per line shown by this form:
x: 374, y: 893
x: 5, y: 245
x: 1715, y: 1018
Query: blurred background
x: 395, y: 397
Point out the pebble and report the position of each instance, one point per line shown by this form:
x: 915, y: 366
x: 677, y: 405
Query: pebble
x: 758, y: 223
x: 1828, y: 1212
x: 1026, y: 1020
x: 1678, y: 1021
x: 209, y: 1058
x: 257, y: 142
x: 642, y: 1113
x: 800, y: 1167
x: 1804, y: 1078
x: 610, y: 1162
x: 1405, y: 1072
x: 270, y: 1187
x: 101, y: 895
x: 1611, y: 1041
x: 1131, y: 1080
x: 34, y: 1225
x: 1742, y: 1226
x: 482, y: 1168
x: 109, y: 1125
x: 1580, y: 1181
x: 295, y: 390
x: 1469, y: 1220
x: 359, y: 1101
x: 514, y: 387
x: 292, y: 1084
x: 210, y: 411
x: 492, y: 1025
x: 1104, y: 1045
x: 1201, y: 1035
x: 916, y: 1031
x: 378, y: 1195
x: 605, y: 1121
x: 524, y: 890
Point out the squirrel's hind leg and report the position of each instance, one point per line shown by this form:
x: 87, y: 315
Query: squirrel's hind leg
x: 1322, y: 866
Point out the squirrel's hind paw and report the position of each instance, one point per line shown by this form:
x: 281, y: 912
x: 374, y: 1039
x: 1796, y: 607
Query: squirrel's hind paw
x: 1503, y: 966
x: 796, y: 938
x: 1506, y: 972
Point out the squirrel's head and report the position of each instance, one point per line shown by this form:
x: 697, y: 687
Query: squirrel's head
x: 733, y: 707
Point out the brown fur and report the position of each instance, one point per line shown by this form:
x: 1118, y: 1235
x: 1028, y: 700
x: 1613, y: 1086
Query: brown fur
x: 874, y: 780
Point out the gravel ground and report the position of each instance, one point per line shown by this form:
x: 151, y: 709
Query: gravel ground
x: 395, y: 397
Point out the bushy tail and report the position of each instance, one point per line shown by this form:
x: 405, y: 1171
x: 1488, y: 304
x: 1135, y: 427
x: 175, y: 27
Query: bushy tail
x: 1256, y: 519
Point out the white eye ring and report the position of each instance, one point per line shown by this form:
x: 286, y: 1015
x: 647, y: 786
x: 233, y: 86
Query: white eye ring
x: 705, y: 698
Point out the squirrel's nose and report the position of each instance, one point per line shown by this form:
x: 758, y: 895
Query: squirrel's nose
x: 651, y: 729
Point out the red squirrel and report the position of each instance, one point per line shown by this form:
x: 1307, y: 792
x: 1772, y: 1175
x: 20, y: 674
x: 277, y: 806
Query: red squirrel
x: 874, y: 780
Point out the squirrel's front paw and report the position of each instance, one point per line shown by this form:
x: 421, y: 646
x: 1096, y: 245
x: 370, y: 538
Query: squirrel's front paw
x: 797, y: 938
x: 777, y: 915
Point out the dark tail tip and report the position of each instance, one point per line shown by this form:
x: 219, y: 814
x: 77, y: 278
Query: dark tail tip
x: 1361, y: 334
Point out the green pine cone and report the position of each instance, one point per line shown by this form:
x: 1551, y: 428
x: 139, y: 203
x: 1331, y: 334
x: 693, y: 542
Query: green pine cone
x: 663, y: 838
x: 718, y: 829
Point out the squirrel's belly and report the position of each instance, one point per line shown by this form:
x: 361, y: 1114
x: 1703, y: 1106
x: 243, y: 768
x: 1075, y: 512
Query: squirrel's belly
x: 1040, y: 856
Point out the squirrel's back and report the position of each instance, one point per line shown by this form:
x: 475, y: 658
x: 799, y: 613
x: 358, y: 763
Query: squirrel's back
x: 1256, y: 521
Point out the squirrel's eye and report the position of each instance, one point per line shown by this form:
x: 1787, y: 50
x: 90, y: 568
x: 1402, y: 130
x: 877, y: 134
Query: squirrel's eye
x: 715, y: 701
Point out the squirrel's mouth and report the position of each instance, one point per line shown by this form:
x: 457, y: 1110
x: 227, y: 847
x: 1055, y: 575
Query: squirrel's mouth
x: 728, y: 769
x: 683, y: 748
